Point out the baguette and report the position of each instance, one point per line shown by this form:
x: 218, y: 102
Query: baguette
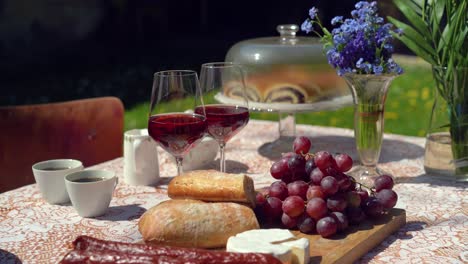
x: 193, y: 223
x: 213, y: 186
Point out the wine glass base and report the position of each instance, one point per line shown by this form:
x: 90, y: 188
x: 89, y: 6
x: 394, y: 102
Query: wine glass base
x: 366, y: 174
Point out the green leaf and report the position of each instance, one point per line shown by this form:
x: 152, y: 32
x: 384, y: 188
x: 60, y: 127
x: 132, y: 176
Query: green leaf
x: 416, y: 20
x: 444, y: 36
x: 460, y: 40
x: 413, y: 35
x: 415, y: 6
x: 420, y: 3
x: 438, y: 12
x: 415, y: 48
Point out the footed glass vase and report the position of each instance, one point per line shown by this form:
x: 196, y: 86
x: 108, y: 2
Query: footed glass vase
x: 369, y: 93
x: 446, y: 150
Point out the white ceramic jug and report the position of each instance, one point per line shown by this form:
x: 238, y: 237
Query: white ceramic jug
x: 141, y: 165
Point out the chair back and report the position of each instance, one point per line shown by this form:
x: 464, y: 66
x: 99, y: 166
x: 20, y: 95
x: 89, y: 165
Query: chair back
x: 90, y: 130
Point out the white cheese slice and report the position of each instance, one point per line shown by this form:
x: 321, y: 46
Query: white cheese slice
x: 280, y: 243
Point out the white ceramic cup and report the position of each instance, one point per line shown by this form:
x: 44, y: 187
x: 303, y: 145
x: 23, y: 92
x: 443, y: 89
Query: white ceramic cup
x: 49, y: 176
x: 91, y: 198
x: 141, y: 165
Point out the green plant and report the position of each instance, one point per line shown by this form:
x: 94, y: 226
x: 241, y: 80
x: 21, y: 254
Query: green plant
x: 437, y: 32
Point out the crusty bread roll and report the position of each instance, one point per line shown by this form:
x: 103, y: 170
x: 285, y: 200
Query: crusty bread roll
x: 213, y: 186
x: 193, y: 223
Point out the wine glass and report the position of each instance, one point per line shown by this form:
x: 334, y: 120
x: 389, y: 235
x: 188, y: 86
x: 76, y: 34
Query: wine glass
x: 224, y: 120
x: 176, y: 131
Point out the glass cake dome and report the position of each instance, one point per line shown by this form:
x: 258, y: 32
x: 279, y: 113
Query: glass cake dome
x: 287, y: 70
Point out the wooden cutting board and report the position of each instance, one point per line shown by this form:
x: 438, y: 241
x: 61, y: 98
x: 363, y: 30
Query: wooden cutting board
x: 357, y: 241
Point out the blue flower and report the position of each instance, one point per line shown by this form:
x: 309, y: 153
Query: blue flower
x: 338, y: 39
x: 361, y: 44
x: 313, y: 12
x: 336, y: 20
x: 359, y: 63
x: 378, y: 69
x: 307, y: 26
x: 361, y: 4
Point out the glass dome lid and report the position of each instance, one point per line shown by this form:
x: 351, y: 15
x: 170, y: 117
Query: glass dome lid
x: 287, y: 48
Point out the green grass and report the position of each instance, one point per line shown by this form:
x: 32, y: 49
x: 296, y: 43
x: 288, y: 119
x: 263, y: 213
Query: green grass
x: 407, y: 108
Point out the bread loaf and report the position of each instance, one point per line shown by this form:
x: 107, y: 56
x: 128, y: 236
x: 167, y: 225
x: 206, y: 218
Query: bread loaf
x: 193, y: 223
x: 213, y: 186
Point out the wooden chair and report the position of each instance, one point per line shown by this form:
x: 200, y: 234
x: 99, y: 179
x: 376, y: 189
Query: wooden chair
x: 90, y: 130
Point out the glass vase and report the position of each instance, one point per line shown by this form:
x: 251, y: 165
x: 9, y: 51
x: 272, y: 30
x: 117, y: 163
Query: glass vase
x: 369, y: 93
x: 446, y: 150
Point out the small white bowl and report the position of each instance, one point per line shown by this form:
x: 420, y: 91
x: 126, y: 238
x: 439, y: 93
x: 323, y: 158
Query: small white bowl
x: 201, y: 155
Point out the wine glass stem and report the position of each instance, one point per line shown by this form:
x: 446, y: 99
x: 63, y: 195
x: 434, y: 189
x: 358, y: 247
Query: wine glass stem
x: 222, y: 158
x: 180, y: 169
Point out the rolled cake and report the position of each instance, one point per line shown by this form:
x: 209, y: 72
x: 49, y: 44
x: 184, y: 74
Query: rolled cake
x: 290, y: 84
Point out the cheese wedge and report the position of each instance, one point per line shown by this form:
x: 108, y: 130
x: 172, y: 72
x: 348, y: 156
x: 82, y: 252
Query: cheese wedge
x: 300, y: 250
x: 280, y: 243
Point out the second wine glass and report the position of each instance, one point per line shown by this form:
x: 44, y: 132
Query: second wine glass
x: 224, y: 120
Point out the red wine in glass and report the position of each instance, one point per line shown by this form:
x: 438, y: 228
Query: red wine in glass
x: 224, y: 121
x: 177, y: 132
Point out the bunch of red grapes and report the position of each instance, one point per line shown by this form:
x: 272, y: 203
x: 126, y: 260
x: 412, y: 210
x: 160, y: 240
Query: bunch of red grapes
x: 315, y: 195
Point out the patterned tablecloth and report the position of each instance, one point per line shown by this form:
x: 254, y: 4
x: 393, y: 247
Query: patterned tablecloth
x: 436, y: 232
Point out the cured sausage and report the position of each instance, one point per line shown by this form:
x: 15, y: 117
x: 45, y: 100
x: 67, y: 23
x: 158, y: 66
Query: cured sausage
x: 85, y: 243
x: 108, y: 257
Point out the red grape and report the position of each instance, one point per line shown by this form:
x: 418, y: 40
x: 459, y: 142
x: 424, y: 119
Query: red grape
x: 353, y: 199
x: 315, y: 191
x: 372, y: 207
x: 287, y: 177
x: 341, y: 220
x: 383, y: 182
x: 316, y: 176
x: 293, y: 206
x: 316, y: 208
x: 273, y: 208
x: 344, y: 182
x: 298, y: 188
x: 301, y: 145
x: 323, y: 160
x: 343, y: 162
x: 364, y: 195
x: 279, y: 190
x: 336, y: 203
x: 327, y: 226
x: 331, y: 171
x: 306, y: 224
x: 296, y: 165
x: 260, y: 199
x: 388, y: 198
x: 309, y: 166
x: 355, y: 215
x: 329, y: 185
x: 314, y: 194
x: 279, y: 168
x: 289, y: 222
